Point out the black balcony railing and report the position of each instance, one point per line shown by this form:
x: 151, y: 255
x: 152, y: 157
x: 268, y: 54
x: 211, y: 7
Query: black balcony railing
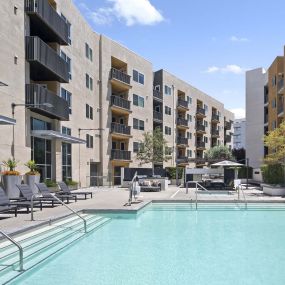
x: 182, y: 103
x: 200, y: 128
x: 182, y: 122
x: 45, y: 63
x: 182, y: 141
x: 157, y: 94
x: 215, y: 132
x: 38, y: 96
x: 280, y: 85
x: 157, y: 116
x: 120, y: 75
x: 200, y: 111
x: 120, y: 102
x: 45, y: 22
x: 117, y: 154
x: 200, y: 144
x: 228, y: 125
x: 215, y: 117
x: 120, y: 129
x: 182, y: 159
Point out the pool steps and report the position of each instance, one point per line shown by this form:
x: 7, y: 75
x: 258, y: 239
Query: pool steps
x: 42, y: 243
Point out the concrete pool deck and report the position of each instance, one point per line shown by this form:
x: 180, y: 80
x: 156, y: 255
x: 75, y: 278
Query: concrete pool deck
x: 115, y: 199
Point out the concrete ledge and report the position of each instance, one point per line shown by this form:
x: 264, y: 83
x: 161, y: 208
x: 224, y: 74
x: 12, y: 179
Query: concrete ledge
x: 273, y: 190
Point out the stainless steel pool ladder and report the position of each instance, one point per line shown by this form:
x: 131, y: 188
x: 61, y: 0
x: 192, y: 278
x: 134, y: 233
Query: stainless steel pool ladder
x: 244, y: 198
x: 56, y: 198
x: 131, y: 189
x: 196, y: 191
x: 21, y: 255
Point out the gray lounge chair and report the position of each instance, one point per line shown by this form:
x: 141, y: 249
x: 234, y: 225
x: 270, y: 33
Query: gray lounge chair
x: 6, y: 204
x: 64, y: 189
x: 47, y: 194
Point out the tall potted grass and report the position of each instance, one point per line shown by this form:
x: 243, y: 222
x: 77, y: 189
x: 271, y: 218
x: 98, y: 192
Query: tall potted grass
x: 32, y: 176
x: 11, y: 178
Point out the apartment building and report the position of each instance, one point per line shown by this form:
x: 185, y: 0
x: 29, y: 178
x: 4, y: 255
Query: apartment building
x: 239, y: 134
x: 78, y: 103
x: 264, y: 108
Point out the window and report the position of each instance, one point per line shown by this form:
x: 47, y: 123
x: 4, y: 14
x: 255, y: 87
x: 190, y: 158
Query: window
x: 138, y: 100
x: 274, y: 125
x: 205, y: 139
x: 189, y: 153
x: 66, y: 95
x: 138, y: 77
x: 68, y: 61
x: 206, y: 124
x: 88, y: 52
x: 69, y: 28
x: 274, y: 80
x: 168, y: 150
x: 37, y: 124
x: 206, y: 108
x: 66, y: 131
x: 138, y: 124
x: 136, y: 147
x: 189, y: 118
x: 167, y: 90
x: 167, y: 110
x: 189, y: 100
x: 167, y: 130
x: 89, y: 141
x: 273, y: 103
x: 66, y: 161
x: 89, y: 81
x: 189, y: 135
x: 89, y: 112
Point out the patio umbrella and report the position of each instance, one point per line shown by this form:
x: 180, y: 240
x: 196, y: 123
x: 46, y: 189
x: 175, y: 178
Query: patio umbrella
x: 229, y: 163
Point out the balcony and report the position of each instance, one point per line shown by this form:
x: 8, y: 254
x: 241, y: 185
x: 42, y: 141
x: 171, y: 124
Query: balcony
x: 228, y: 125
x: 200, y: 145
x: 120, y: 79
x: 123, y: 155
x: 157, y: 116
x: 200, y: 128
x: 280, y: 109
x: 182, y: 104
x: 280, y: 86
x: 200, y: 112
x: 182, y: 141
x: 157, y: 95
x: 215, y: 118
x: 215, y: 133
x: 45, y: 63
x: 183, y: 123
x: 120, y: 105
x: 228, y: 139
x: 45, y: 22
x: 182, y: 160
x: 120, y: 131
x: 38, y: 95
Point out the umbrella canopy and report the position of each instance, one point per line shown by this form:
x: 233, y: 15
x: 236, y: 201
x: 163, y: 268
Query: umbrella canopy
x: 227, y: 163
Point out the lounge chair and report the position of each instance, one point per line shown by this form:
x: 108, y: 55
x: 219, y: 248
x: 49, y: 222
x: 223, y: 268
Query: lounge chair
x: 65, y: 190
x: 47, y: 194
x: 6, y: 204
x: 27, y: 194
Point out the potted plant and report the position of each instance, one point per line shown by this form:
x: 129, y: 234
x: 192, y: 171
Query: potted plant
x: 32, y: 176
x: 73, y: 185
x: 11, y: 178
x: 51, y: 184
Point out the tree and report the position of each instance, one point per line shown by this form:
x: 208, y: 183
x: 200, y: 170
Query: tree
x: 239, y: 155
x: 152, y: 148
x: 275, y: 141
x: 218, y: 152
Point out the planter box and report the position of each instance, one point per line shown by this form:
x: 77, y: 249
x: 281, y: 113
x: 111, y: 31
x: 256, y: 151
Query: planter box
x: 273, y: 190
x: 31, y: 180
x: 9, y: 183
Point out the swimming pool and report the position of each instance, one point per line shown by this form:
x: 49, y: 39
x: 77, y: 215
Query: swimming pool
x: 174, y: 244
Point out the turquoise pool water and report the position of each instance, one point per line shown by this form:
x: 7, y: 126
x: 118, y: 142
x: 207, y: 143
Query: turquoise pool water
x: 174, y: 244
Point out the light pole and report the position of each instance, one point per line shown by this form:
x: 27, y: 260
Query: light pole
x: 13, y: 106
x: 79, y: 133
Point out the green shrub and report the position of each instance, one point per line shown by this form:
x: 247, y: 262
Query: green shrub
x: 171, y: 172
x: 273, y: 174
x: 50, y: 183
x: 70, y: 182
x: 242, y: 172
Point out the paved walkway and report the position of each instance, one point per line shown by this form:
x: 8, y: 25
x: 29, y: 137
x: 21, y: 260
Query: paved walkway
x: 110, y: 199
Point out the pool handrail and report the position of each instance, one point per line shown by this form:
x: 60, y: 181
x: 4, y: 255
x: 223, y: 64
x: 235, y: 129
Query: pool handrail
x: 20, y: 248
x: 56, y: 198
x: 244, y: 197
x: 196, y: 192
x: 131, y: 189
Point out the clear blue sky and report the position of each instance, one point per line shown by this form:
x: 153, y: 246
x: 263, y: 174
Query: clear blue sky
x: 204, y: 42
